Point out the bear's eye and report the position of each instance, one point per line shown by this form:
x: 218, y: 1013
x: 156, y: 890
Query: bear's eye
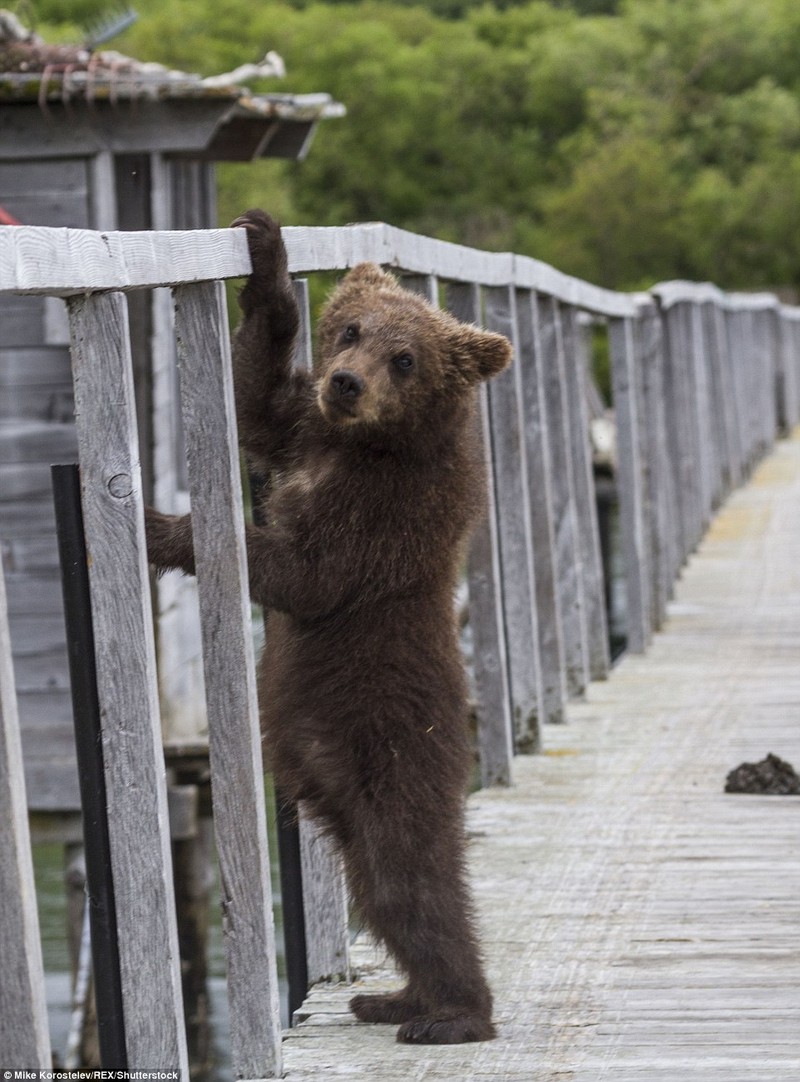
x: 350, y: 333
x: 404, y: 362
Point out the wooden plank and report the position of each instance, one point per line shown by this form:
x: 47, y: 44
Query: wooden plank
x: 660, y: 496
x: 735, y: 376
x: 21, y: 320
x: 22, y: 177
x: 769, y: 357
x: 36, y: 441
x: 752, y: 384
x: 626, y: 372
x: 324, y: 906
x: 303, y: 350
x: 576, y: 369
x: 730, y: 474
x: 679, y: 405
x: 25, y: 481
x: 53, y: 403
x: 30, y: 553
x: 489, y: 648
x: 424, y: 285
x: 650, y: 916
x: 35, y: 366
x: 128, y: 693
x: 41, y: 260
x: 705, y: 422
x: 52, y: 785
x: 327, y: 924
x: 540, y: 487
x: 788, y: 390
x: 514, y: 519
x: 64, y: 262
x: 24, y: 1036
x: 568, y: 557
x: 233, y: 723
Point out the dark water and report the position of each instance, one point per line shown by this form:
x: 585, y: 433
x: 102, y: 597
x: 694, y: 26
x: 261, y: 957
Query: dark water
x: 49, y: 874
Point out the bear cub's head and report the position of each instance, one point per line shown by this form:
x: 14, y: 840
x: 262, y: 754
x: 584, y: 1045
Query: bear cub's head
x: 388, y: 356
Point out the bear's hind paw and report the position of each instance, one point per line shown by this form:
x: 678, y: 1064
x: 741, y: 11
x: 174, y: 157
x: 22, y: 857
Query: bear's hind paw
x: 441, y: 1029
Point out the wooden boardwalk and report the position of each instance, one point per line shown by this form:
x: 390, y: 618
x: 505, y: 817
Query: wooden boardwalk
x: 639, y: 923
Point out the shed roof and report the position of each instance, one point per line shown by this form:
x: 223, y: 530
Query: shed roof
x: 247, y: 125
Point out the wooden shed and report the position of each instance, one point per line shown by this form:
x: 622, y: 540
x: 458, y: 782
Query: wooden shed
x: 104, y: 142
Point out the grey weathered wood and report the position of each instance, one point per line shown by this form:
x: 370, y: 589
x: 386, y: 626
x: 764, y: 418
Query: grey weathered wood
x: 661, y: 539
x: 127, y: 686
x: 426, y: 285
x: 717, y: 339
x: 42, y: 260
x: 626, y: 375
x: 68, y: 261
x: 233, y: 724
x: 677, y: 401
x: 769, y: 357
x: 540, y: 487
x: 576, y: 368
x: 489, y: 649
x: 24, y: 1037
x: 303, y: 346
x: 324, y: 889
x: 788, y: 392
x: 738, y: 360
x: 568, y: 556
x: 650, y: 916
x: 512, y: 492
x: 324, y: 905
x: 704, y: 443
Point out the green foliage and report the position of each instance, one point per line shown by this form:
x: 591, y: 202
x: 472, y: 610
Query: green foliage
x: 623, y: 141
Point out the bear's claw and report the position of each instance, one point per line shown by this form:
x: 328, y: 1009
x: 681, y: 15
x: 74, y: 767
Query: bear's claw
x: 458, y: 1029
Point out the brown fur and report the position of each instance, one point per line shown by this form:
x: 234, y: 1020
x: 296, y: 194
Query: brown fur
x: 375, y: 483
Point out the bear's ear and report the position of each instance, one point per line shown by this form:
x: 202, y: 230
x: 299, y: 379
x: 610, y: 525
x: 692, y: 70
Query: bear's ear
x: 369, y: 275
x: 480, y: 354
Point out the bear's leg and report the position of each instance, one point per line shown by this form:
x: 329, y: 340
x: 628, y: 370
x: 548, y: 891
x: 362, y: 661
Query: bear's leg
x: 413, y: 895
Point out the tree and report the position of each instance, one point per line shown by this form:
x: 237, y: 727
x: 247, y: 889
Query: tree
x: 624, y: 142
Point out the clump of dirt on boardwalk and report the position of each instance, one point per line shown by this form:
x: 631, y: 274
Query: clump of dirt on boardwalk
x: 772, y: 775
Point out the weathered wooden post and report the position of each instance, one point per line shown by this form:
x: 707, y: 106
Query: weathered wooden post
x: 127, y: 687
x: 789, y: 389
x: 660, y: 484
x: 540, y: 487
x: 484, y: 580
x: 576, y: 368
x: 233, y: 726
x: 514, y: 517
x: 568, y: 556
x: 24, y: 1037
x: 326, y: 929
x: 626, y: 372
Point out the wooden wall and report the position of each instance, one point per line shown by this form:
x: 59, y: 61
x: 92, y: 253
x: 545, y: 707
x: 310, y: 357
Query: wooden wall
x: 36, y: 429
x: 123, y: 191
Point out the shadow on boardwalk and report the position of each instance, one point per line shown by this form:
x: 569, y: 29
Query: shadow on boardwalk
x: 638, y: 922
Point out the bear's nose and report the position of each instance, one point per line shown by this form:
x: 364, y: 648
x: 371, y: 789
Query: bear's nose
x: 347, y: 384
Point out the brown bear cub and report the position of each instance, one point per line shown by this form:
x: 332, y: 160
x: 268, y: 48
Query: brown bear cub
x: 375, y: 479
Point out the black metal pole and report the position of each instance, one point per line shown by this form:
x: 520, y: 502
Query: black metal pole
x: 91, y: 777
x: 289, y: 865
x: 294, y: 922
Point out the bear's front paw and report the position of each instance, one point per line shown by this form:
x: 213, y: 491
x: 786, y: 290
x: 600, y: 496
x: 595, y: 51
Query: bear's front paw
x: 268, y: 256
x: 446, y: 1028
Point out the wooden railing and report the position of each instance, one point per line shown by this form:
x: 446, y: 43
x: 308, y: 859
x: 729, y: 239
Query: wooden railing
x: 703, y: 382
